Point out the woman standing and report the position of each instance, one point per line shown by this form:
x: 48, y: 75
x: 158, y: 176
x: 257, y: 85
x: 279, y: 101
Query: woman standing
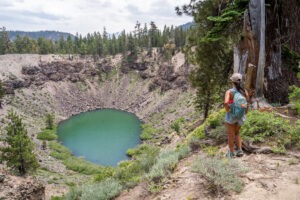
x: 234, y: 120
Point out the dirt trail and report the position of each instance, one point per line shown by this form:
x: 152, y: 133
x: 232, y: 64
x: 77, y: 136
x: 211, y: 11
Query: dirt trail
x: 183, y: 184
x: 271, y: 177
x: 274, y: 177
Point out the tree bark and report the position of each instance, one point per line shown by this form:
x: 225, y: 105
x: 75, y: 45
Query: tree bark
x: 246, y: 51
x: 207, y: 105
x: 262, y: 52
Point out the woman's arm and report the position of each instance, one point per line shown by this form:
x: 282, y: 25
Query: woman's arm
x: 226, y: 101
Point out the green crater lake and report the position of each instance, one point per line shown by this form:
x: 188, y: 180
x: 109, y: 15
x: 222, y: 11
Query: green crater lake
x: 101, y: 136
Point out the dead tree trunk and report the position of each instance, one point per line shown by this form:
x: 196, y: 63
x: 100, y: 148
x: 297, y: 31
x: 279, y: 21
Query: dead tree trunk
x: 250, y: 52
x: 260, y: 57
x: 262, y: 53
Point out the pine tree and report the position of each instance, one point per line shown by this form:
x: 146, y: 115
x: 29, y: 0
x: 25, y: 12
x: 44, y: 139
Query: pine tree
x: 2, y: 93
x: 213, y: 57
x: 153, y: 34
x: 138, y: 33
x: 69, y: 45
x: 105, y: 41
x: 113, y: 45
x: 17, y: 150
x: 132, y: 47
x: 49, y: 121
x: 96, y: 44
x: 145, y: 40
x: 26, y: 45
x: 62, y: 45
x: 76, y: 43
x: 4, y: 41
x: 45, y: 46
x: 83, y: 49
x: 122, y: 40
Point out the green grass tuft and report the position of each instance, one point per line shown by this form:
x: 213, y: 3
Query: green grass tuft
x: 222, y: 174
x: 57, y: 198
x: 76, y: 164
x: 104, y: 190
x: 132, y: 172
x: 294, y: 97
x: 47, y: 134
x: 176, y: 124
x: 142, y: 149
x: 82, y: 166
x: 148, y: 131
x: 215, y: 119
x: 166, y: 163
x: 59, y: 151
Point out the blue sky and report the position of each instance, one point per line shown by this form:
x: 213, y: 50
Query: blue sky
x: 87, y: 16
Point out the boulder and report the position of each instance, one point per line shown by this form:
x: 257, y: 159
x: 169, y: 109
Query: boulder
x: 75, y: 77
x: 39, y: 79
x: 48, y: 69
x: 106, y: 68
x: 56, y: 77
x: 181, y: 82
x: 31, y: 190
x: 30, y: 70
x: 125, y: 68
x: 139, y: 66
x: 166, y: 72
x: 18, y: 188
x: 2, y: 178
x: 165, y: 86
x: 11, y: 85
x: 90, y: 72
x: 144, y: 75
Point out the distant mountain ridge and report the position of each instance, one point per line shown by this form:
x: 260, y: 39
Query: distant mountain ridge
x: 56, y: 35
x: 50, y: 35
x: 187, y: 26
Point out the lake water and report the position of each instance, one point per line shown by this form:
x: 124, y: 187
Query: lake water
x: 101, y: 136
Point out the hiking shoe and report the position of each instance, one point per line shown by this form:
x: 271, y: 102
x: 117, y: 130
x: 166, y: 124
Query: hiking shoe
x: 230, y: 154
x: 239, y: 153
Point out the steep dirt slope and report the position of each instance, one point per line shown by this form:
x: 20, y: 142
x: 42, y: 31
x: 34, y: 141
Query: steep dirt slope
x: 70, y: 86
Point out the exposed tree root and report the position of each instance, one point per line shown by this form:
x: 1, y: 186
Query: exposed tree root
x: 295, y: 155
x: 250, y: 148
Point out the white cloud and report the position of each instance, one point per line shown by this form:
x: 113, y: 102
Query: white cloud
x: 86, y: 16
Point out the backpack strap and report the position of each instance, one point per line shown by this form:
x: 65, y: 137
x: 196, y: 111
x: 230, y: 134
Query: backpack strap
x: 233, y: 91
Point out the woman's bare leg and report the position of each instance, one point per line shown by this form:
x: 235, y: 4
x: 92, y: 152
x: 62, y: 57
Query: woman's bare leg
x: 238, y: 138
x: 231, y: 135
